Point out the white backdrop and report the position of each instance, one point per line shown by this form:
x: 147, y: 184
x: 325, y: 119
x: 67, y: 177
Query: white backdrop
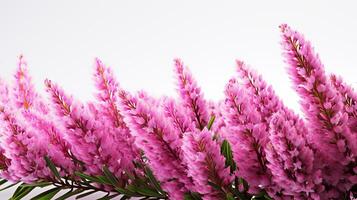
x: 139, y: 39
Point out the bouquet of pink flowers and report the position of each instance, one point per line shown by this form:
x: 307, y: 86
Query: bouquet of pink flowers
x: 246, y: 146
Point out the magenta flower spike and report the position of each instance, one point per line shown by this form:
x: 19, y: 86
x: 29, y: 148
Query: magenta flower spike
x: 177, y: 116
x: 323, y: 108
x: 22, y: 152
x: 291, y: 159
x: 87, y: 136
x: 160, y: 143
x: 262, y: 95
x: 107, y: 111
x: 349, y: 99
x: 24, y: 94
x: 107, y: 87
x: 245, y: 146
x: 190, y: 95
x: 247, y: 135
x: 206, y: 164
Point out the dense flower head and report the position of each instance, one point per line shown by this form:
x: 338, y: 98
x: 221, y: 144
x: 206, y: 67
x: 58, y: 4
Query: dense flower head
x: 262, y: 95
x: 160, y: 143
x: 190, y: 95
x: 248, y: 145
x: 247, y: 135
x: 205, y: 163
x: 291, y: 159
x: 323, y: 108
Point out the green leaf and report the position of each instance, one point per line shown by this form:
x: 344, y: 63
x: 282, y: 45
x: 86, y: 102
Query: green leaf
x: 9, y: 186
x: 53, y: 168
x: 39, y: 184
x: 110, y: 176
x: 125, y: 191
x: 226, y: 151
x: 104, y: 180
x: 22, y: 192
x: 210, y: 122
x: 18, y: 190
x: 90, y: 178
x: 47, y: 195
x: 192, y: 196
x: 147, y: 192
x: 3, y: 181
x: 70, y: 193
x: 153, y: 180
x: 85, y: 194
x: 108, y: 197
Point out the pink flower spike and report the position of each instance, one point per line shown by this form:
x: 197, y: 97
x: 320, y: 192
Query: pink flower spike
x: 178, y: 117
x: 247, y: 136
x: 349, y: 99
x: 107, y: 87
x: 327, y: 125
x: 24, y: 94
x: 205, y: 164
x: 263, y: 96
x: 160, y: 143
x: 291, y: 158
x: 190, y: 95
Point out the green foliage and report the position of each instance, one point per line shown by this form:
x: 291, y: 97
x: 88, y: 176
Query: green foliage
x: 226, y: 151
x: 81, y: 185
x: 143, y: 185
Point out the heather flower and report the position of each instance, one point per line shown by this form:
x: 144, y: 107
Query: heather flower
x: 349, y: 99
x: 205, y: 164
x: 262, y: 95
x: 291, y: 159
x: 106, y: 111
x: 107, y: 93
x: 247, y: 136
x: 159, y: 142
x: 190, y: 95
x: 92, y: 142
x: 323, y: 108
x: 22, y: 151
x: 178, y: 117
x: 24, y: 94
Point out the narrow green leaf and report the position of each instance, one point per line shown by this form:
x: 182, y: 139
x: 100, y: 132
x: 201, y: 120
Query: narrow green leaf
x: 108, y: 197
x: 85, y: 194
x: 110, y: 176
x: 9, y: 186
x: 90, y: 178
x: 125, y: 192
x: 70, y: 193
x: 226, y: 151
x: 210, y: 122
x: 18, y: 190
x: 147, y: 192
x: 3, y: 181
x: 192, y: 196
x: 52, y: 168
x: 22, y: 193
x: 153, y: 180
x: 47, y: 195
x: 39, y: 184
x: 104, y: 180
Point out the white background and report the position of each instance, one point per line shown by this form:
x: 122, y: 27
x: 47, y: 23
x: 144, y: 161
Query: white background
x: 139, y: 39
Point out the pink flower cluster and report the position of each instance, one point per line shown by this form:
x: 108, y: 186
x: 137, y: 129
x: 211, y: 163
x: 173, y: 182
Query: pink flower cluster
x: 274, y: 149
